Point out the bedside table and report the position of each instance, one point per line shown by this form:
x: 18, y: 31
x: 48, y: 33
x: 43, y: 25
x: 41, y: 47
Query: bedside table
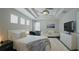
x: 6, y: 46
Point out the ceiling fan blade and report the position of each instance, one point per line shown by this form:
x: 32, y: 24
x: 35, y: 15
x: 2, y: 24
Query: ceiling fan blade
x: 49, y: 8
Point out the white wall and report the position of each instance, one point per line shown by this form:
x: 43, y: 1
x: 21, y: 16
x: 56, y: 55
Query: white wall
x: 44, y: 24
x: 70, y: 16
x: 45, y: 20
x: 77, y: 27
x: 5, y: 24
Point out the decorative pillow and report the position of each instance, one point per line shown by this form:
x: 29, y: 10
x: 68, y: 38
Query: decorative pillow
x: 23, y: 34
x: 27, y: 32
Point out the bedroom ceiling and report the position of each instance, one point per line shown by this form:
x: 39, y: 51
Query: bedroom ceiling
x: 35, y: 13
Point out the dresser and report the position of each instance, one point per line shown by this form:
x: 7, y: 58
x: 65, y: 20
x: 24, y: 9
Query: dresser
x: 6, y: 46
x: 69, y: 40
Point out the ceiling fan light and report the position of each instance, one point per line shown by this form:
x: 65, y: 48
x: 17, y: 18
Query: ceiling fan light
x: 45, y: 12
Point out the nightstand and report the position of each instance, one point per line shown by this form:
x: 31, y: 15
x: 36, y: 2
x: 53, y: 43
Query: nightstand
x: 6, y: 45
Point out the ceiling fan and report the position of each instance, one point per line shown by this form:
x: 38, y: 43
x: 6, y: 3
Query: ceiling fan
x: 45, y: 11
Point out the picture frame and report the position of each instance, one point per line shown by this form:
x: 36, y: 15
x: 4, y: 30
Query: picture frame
x: 51, y: 26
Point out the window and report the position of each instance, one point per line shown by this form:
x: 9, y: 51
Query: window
x: 28, y: 22
x: 22, y: 21
x: 37, y: 26
x: 14, y: 19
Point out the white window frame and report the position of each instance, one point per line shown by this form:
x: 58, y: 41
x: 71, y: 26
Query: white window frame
x: 27, y: 22
x: 37, y: 26
x: 22, y: 21
x: 14, y: 19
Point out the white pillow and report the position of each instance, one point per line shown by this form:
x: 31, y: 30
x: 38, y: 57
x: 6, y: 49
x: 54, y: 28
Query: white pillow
x: 14, y: 36
x: 23, y: 34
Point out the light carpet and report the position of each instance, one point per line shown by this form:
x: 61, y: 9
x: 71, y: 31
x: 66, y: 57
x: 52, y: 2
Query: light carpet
x: 56, y: 45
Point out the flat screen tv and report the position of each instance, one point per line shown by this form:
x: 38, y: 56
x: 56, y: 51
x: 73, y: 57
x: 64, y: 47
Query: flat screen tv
x: 69, y: 26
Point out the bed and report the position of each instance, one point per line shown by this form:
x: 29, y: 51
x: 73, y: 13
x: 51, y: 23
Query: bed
x: 29, y: 42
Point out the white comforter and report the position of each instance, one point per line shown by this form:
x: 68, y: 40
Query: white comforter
x: 25, y: 43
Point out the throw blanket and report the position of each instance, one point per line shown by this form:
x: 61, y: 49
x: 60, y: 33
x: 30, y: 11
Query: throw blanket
x: 40, y: 45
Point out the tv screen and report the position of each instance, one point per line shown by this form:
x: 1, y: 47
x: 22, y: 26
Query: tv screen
x: 69, y: 26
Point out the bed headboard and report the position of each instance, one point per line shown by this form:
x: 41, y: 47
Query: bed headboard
x: 15, y: 34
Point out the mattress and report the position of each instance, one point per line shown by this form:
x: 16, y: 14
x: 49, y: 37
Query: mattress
x: 23, y: 43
